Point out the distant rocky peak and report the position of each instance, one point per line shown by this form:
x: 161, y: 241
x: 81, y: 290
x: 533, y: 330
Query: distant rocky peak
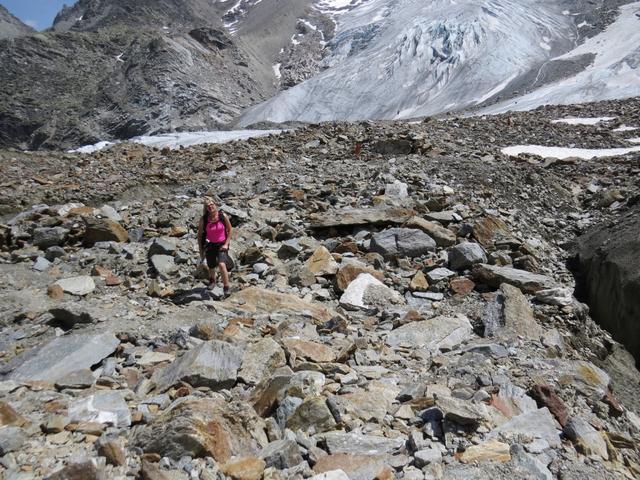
x: 11, y: 27
x: 89, y: 15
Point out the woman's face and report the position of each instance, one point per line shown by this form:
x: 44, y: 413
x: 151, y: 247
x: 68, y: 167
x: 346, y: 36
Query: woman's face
x: 212, y: 208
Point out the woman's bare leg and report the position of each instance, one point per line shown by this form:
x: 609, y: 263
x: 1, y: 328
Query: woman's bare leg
x: 225, y: 275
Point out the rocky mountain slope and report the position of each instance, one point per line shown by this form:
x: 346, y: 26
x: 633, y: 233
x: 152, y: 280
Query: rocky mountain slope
x: 402, y: 306
x: 116, y: 69
x: 11, y: 27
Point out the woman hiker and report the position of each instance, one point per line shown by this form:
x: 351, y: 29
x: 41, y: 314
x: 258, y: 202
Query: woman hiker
x: 214, y: 235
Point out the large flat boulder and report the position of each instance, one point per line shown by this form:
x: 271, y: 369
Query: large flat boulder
x: 526, y: 281
x: 438, y: 333
x: 351, y: 217
x: 406, y: 242
x: 60, y: 357
x: 259, y: 300
x: 211, y: 364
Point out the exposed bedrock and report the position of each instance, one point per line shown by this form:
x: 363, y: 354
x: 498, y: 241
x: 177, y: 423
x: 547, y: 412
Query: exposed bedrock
x: 607, y: 268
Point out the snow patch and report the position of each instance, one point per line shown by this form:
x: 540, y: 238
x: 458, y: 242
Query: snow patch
x: 182, y: 139
x: 624, y: 128
x: 562, y: 152
x: 583, y: 121
x: 276, y: 70
x: 634, y: 140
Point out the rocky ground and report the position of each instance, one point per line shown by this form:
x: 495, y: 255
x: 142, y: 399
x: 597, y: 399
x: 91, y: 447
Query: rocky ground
x: 402, y: 307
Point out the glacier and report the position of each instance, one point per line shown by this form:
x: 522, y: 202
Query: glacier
x: 403, y: 59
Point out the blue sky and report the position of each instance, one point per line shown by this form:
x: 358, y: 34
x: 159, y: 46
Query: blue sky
x: 37, y: 13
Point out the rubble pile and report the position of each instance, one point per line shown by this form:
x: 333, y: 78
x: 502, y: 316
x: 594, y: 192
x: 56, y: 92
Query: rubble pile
x: 400, y: 309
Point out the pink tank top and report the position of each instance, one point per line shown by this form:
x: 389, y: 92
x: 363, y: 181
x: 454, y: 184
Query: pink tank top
x: 216, y: 232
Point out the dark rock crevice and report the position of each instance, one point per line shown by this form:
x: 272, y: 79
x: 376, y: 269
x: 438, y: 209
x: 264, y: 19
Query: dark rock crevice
x: 606, y: 263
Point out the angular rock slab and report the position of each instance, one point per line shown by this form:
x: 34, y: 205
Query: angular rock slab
x: 204, y: 427
x: 534, y: 425
x: 583, y: 376
x: 443, y: 236
x: 526, y: 281
x: 258, y: 300
x: 341, y: 442
x: 367, y: 216
x: 60, y: 357
x: 586, y: 438
x: 211, y: 364
x: 466, y: 254
x: 80, y: 286
x: 438, y: 333
x: 367, y: 291
x: 260, y: 360
x: 322, y: 262
x: 408, y: 242
x: 103, y: 407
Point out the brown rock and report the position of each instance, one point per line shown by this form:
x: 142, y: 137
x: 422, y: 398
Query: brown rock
x: 55, y: 291
x: 204, y: 427
x: 462, y: 286
x: 312, y: 351
x: 77, y: 471
x: 151, y: 471
x: 491, y: 450
x: 545, y: 396
x: 9, y: 417
x: 104, y: 230
x: 419, y: 282
x: 489, y: 230
x: 350, y: 272
x: 518, y: 314
x: 256, y: 300
x: 322, y: 262
x: 265, y: 395
x: 246, y: 468
x: 113, y: 452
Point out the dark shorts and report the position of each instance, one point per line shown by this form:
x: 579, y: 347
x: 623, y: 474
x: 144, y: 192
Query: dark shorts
x: 214, y: 255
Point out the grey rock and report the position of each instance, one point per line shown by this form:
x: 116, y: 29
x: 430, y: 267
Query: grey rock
x: 408, y: 242
x: 162, y: 246
x: 49, y: 236
x: 312, y: 415
x: 286, y: 409
x: 165, y: 265
x: 260, y: 360
x: 41, y: 264
x: 331, y: 475
x: 212, y: 364
x: 443, y: 217
x: 538, y: 424
x: 397, y: 189
x: 54, y: 252
x: 510, y: 315
x: 438, y: 333
x: 427, y: 456
x: 586, y: 438
x: 103, y: 407
x: 460, y: 411
x: 111, y: 213
x: 340, y: 442
x: 82, y: 378
x: 80, y: 285
x: 289, y: 249
x: 526, y: 281
x: 438, y: 274
x: 530, y: 464
x: 11, y: 439
x: 281, y: 454
x: 555, y: 296
x: 466, y: 254
x: 366, y: 291
x: 60, y: 357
